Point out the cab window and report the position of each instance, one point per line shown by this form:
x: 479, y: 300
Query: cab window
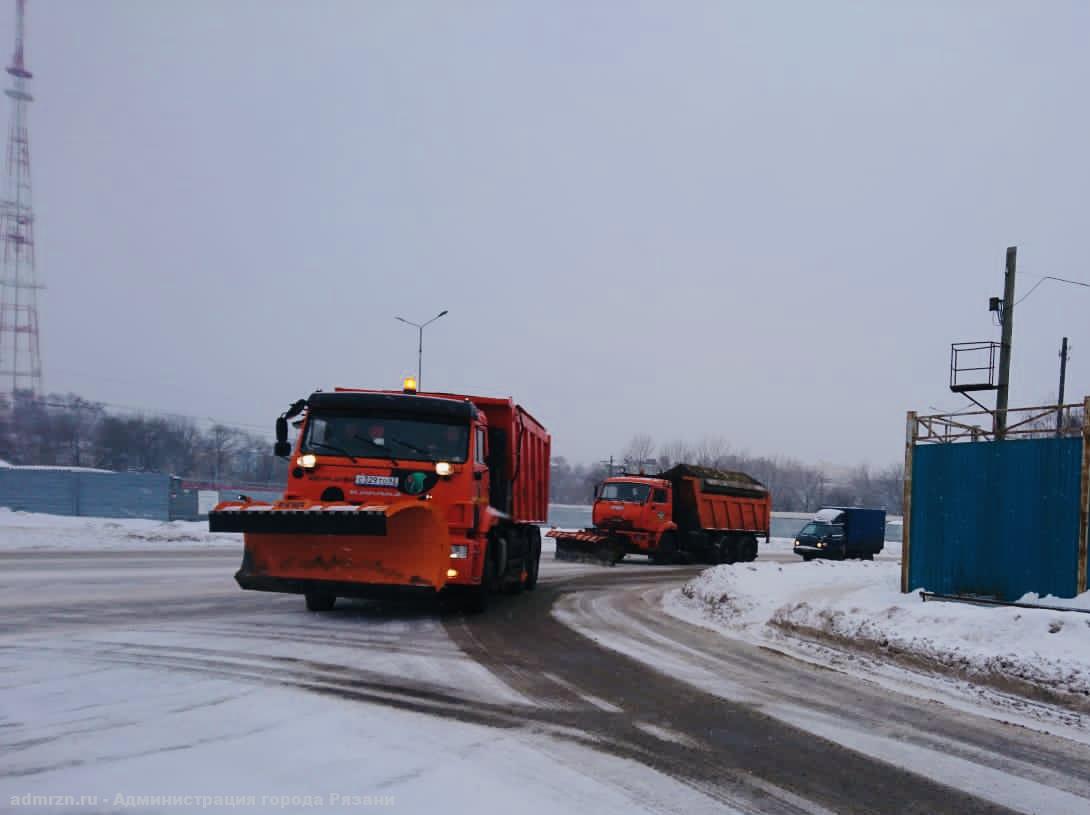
x: 659, y: 497
x: 478, y: 455
x: 620, y: 491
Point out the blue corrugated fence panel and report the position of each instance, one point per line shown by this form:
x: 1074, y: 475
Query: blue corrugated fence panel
x: 996, y: 518
x: 125, y: 495
x: 52, y: 491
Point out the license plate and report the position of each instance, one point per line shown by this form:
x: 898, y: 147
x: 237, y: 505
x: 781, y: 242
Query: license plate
x: 376, y: 480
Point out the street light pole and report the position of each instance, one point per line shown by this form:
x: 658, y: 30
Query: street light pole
x: 420, y: 342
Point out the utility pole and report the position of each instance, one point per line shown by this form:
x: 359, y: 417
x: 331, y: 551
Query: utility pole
x: 1006, y: 318
x: 1063, y: 380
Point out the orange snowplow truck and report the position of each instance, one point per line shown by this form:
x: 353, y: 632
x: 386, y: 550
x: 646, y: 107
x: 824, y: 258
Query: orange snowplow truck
x: 399, y: 490
x: 684, y: 515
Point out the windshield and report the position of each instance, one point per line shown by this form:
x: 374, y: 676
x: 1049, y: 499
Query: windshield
x: 815, y: 529
x: 355, y: 436
x: 632, y: 493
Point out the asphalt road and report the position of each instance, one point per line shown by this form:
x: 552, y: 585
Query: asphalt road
x: 746, y: 726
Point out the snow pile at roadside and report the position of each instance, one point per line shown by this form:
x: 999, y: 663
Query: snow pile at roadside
x: 29, y: 531
x: 859, y: 604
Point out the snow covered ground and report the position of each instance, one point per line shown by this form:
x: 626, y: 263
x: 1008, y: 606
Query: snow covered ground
x: 145, y: 681
x: 95, y: 734
x: 32, y: 531
x: 859, y: 605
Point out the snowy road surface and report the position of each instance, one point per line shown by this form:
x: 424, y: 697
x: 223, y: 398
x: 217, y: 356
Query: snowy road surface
x: 145, y: 680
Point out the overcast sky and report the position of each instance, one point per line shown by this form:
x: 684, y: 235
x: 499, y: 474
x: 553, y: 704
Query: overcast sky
x: 765, y: 221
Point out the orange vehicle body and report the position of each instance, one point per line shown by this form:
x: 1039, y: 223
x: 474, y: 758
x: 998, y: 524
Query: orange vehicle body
x: 369, y: 508
x: 685, y: 514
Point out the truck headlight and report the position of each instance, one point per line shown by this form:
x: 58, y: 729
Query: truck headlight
x: 821, y: 544
x: 443, y: 468
x: 459, y: 551
x: 796, y: 543
x: 308, y: 461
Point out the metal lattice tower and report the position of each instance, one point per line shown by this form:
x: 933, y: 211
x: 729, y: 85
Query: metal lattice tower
x: 20, y: 358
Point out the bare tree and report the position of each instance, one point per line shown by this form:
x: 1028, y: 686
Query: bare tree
x: 676, y: 452
x: 638, y: 452
x: 711, y: 451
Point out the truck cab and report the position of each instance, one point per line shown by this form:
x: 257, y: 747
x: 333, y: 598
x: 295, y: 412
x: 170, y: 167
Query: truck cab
x: 641, y: 506
x: 380, y: 448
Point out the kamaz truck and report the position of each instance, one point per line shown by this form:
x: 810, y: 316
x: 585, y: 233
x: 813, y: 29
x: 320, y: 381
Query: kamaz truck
x: 683, y: 515
x: 432, y: 492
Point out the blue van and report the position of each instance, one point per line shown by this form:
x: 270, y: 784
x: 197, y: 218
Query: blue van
x: 841, y: 533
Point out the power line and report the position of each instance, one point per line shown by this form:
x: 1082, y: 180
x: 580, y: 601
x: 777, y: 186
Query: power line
x: 1050, y: 277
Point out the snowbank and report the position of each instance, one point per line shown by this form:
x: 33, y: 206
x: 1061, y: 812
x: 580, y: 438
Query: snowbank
x: 859, y: 604
x: 30, y: 531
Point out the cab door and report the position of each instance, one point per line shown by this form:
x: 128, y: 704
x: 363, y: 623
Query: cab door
x: 658, y: 509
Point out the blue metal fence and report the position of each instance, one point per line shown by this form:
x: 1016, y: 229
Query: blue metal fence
x: 996, y: 519
x: 81, y: 492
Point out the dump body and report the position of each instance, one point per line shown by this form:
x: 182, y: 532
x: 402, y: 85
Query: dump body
x: 686, y: 513
x: 399, y: 490
x: 842, y: 532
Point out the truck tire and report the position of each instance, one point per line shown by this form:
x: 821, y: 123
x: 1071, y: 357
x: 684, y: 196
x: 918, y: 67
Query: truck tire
x: 513, y: 583
x: 748, y: 549
x: 533, y: 567
x: 730, y: 549
x: 320, y: 601
x: 667, y: 549
x: 476, y: 598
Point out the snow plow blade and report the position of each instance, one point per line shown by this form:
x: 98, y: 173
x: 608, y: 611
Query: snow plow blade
x: 587, y: 546
x: 297, y: 547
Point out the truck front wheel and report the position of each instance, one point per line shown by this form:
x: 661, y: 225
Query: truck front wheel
x: 476, y: 597
x: 667, y: 549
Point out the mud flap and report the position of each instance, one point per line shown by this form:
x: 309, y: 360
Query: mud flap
x: 407, y: 544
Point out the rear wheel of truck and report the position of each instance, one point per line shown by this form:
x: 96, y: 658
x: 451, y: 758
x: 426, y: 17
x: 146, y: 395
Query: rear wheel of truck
x: 519, y: 540
x: 533, y: 567
x: 320, y: 601
x: 749, y: 549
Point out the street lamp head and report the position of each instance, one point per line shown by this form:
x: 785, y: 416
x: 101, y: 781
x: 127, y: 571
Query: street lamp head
x: 441, y: 313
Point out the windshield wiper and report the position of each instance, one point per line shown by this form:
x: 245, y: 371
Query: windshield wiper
x: 378, y: 446
x: 428, y: 456
x: 332, y: 447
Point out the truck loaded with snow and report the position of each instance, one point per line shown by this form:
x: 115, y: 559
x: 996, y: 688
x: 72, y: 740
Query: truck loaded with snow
x: 842, y: 532
x: 388, y: 489
x: 685, y: 514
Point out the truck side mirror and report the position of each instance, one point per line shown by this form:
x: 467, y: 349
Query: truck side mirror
x: 281, y: 449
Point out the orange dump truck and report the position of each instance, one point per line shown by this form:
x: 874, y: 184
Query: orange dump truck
x: 686, y: 514
x: 399, y: 490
